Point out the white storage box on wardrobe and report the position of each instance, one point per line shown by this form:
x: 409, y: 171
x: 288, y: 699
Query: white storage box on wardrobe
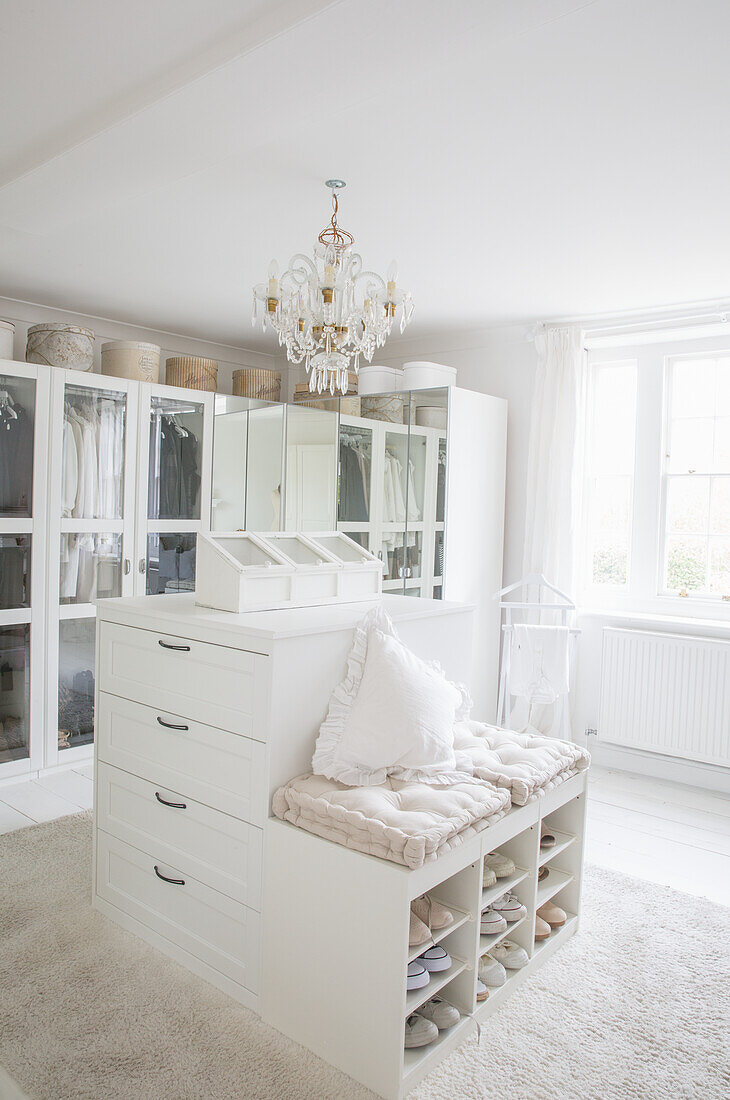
x: 202, y: 715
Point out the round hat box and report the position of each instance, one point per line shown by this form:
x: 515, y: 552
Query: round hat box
x: 431, y: 416
x: 7, y: 332
x: 131, y: 359
x: 265, y: 385
x: 383, y: 406
x: 375, y: 379
x: 192, y: 373
x: 60, y: 345
x: 425, y: 376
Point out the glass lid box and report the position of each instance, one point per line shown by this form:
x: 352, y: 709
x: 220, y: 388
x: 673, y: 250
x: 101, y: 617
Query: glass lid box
x: 265, y: 571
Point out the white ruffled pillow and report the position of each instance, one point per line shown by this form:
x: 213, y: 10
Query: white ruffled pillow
x: 393, y: 715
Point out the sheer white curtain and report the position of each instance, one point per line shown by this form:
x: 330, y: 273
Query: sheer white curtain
x: 555, y: 469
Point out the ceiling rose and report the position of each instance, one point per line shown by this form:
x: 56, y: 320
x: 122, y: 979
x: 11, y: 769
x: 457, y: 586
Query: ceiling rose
x: 328, y: 311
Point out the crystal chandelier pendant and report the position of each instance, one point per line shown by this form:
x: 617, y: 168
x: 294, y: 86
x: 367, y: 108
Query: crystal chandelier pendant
x: 326, y: 311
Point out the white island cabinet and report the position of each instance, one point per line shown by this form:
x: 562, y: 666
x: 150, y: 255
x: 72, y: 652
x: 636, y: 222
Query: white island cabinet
x: 201, y: 715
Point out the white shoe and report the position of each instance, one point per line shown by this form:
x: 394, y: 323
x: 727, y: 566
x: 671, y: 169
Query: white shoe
x: 510, y: 955
x: 440, y: 1013
x: 492, y: 922
x: 509, y: 907
x: 418, y: 976
x: 482, y: 991
x: 491, y: 972
x: 435, y: 959
x: 419, y: 1031
x: 502, y: 866
x: 489, y: 878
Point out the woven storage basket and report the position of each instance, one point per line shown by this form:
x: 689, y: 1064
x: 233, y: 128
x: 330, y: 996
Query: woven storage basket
x: 192, y: 373
x: 262, y: 384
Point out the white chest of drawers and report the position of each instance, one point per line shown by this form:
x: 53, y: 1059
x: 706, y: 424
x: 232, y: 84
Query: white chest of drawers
x: 201, y: 715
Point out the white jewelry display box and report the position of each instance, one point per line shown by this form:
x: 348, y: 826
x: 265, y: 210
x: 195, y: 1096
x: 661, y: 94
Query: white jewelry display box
x: 267, y: 571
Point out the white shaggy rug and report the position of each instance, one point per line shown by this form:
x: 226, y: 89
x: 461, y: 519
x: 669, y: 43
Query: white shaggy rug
x: 637, y: 1005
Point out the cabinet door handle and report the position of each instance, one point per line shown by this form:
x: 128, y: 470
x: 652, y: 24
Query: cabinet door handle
x: 179, y: 648
x: 173, y: 881
x: 127, y: 567
x: 171, y: 725
x: 172, y: 805
x: 142, y: 565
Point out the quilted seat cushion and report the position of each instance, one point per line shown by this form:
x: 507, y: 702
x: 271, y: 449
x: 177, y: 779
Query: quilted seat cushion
x: 527, y: 764
x: 408, y: 823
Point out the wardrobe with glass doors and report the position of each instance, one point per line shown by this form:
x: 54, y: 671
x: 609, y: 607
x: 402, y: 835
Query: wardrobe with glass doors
x: 103, y: 492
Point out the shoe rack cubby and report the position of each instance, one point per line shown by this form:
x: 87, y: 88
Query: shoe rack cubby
x: 336, y: 950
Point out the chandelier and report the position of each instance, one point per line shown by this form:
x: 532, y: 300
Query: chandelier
x: 327, y: 311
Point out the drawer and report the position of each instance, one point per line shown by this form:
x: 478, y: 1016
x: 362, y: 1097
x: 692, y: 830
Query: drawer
x: 211, y: 683
x: 207, y: 924
x: 205, y: 844
x: 212, y: 766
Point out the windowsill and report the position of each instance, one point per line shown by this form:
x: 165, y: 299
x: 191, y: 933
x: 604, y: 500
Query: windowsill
x: 682, y: 624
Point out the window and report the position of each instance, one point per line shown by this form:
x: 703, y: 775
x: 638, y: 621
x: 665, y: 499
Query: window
x: 657, y: 478
x: 611, y: 472
x: 696, y: 513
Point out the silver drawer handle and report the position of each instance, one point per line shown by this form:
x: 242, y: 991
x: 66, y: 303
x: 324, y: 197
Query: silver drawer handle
x: 171, y: 725
x: 179, y: 648
x: 172, y: 881
x: 172, y: 805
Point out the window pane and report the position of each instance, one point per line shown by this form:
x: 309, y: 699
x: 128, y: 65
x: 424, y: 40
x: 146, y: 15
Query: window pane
x: 90, y: 567
x: 686, y: 563
x: 720, y: 513
x: 722, y: 445
x: 614, y: 421
x: 688, y: 504
x: 691, y: 446
x: 611, y: 502
x: 170, y: 563
x: 693, y: 388
x: 610, y: 559
x: 720, y: 566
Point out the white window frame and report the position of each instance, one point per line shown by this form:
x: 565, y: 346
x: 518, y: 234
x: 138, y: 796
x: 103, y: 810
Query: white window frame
x: 644, y: 592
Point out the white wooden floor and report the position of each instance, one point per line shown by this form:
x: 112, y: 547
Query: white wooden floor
x: 32, y: 801
x: 665, y: 832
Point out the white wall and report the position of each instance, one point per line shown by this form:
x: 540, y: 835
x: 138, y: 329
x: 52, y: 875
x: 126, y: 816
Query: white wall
x: 501, y: 362
x: 24, y: 314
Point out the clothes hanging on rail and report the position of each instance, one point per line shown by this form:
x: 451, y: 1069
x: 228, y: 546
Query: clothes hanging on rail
x: 12, y: 576
x: 354, y: 482
x: 91, y: 474
x: 175, y: 476
x: 395, y: 509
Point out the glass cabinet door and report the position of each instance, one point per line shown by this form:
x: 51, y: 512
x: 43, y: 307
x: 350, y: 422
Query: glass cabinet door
x: 178, y: 454
x: 90, y: 540
x: 24, y: 412
x: 310, y: 484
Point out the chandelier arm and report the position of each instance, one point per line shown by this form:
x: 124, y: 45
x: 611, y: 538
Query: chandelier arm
x: 371, y: 275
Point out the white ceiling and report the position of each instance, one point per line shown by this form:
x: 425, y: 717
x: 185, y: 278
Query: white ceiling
x: 520, y: 158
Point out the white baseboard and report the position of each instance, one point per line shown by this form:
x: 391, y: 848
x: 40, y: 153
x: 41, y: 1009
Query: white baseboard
x: 709, y: 777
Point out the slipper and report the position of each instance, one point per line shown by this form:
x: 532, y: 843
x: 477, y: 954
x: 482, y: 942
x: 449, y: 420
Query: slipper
x: 482, y: 991
x: 417, y: 977
x: 542, y: 929
x: 491, y: 972
x: 418, y: 932
x: 547, y: 839
x: 440, y: 1013
x: 510, y: 954
x: 489, y: 877
x: 502, y: 865
x: 510, y: 907
x: 492, y: 922
x: 420, y: 1032
x: 435, y: 959
x: 542, y: 873
x: 433, y: 914
x: 553, y: 914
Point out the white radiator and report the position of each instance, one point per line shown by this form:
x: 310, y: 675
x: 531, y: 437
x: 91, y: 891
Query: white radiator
x: 667, y: 693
